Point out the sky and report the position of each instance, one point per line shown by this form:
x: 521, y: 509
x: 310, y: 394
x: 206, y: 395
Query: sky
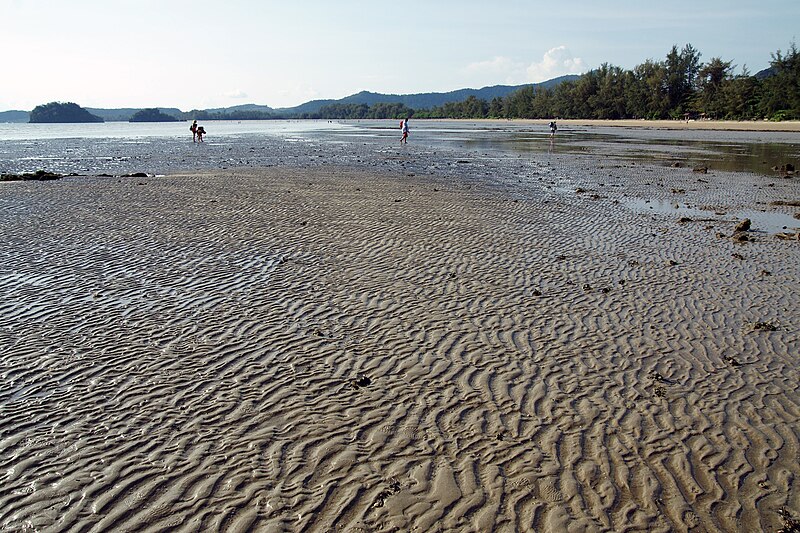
x: 205, y: 54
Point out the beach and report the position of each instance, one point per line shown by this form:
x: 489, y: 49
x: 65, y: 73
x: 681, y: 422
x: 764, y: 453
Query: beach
x: 351, y: 338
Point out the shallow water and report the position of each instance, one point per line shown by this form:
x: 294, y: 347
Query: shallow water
x: 767, y: 222
x: 121, y: 146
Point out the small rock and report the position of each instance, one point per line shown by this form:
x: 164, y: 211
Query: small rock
x: 744, y: 225
x: 684, y: 220
x: 659, y: 377
x: 740, y: 257
x: 362, y: 381
x: 700, y: 170
x: 39, y: 175
x: 765, y: 326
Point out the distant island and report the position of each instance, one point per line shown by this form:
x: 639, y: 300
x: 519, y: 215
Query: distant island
x: 152, y: 115
x: 61, y: 112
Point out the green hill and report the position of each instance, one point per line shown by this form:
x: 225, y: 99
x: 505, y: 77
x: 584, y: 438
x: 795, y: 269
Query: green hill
x: 422, y: 100
x: 14, y: 116
x: 418, y: 101
x: 124, y: 114
x: 152, y: 115
x: 62, y: 112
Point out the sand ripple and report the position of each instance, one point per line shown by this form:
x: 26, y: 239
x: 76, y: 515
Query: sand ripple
x: 330, y: 350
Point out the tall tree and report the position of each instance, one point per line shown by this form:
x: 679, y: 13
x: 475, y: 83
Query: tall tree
x: 780, y: 97
x: 710, y: 99
x: 682, y: 68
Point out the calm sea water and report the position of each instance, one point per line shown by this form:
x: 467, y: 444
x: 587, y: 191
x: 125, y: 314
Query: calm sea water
x: 83, y: 147
x: 163, y: 130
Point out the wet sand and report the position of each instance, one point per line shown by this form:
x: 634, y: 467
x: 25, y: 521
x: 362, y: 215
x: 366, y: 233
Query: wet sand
x: 715, y: 125
x: 420, y: 342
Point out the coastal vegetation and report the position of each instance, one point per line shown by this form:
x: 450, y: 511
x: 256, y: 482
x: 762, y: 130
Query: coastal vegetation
x: 678, y: 87
x: 362, y: 111
x: 152, y: 115
x: 60, y: 112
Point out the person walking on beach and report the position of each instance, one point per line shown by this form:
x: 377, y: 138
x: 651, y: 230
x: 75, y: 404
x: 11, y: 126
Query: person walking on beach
x: 404, y: 129
x: 553, y: 128
x: 200, y: 132
x: 193, y: 129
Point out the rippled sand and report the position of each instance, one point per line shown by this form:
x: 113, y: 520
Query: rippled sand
x: 338, y: 349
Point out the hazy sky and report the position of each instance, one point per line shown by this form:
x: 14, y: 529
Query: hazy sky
x: 201, y: 54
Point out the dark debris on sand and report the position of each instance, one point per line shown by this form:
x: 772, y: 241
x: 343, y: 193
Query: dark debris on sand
x: 361, y: 381
x: 764, y: 326
x: 39, y: 175
x: 790, y: 523
x: 394, y: 488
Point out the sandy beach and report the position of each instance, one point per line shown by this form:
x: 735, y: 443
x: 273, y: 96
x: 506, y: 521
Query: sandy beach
x: 419, y: 342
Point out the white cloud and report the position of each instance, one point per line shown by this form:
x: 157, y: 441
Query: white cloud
x: 498, y: 69
x: 556, y: 62
x: 293, y: 94
x: 237, y: 94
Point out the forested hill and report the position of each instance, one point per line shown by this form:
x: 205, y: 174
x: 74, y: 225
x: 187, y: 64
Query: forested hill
x: 62, y: 112
x: 14, y: 116
x: 422, y: 100
x: 124, y: 114
x: 312, y: 108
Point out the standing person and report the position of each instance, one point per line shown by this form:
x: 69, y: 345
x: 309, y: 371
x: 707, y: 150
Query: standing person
x: 193, y: 129
x: 200, y: 132
x: 553, y: 128
x: 404, y: 129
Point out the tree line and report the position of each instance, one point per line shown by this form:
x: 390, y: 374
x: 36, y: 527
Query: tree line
x: 677, y: 87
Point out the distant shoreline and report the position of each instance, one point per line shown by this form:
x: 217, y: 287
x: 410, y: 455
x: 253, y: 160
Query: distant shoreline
x: 722, y: 125
x: 791, y: 126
